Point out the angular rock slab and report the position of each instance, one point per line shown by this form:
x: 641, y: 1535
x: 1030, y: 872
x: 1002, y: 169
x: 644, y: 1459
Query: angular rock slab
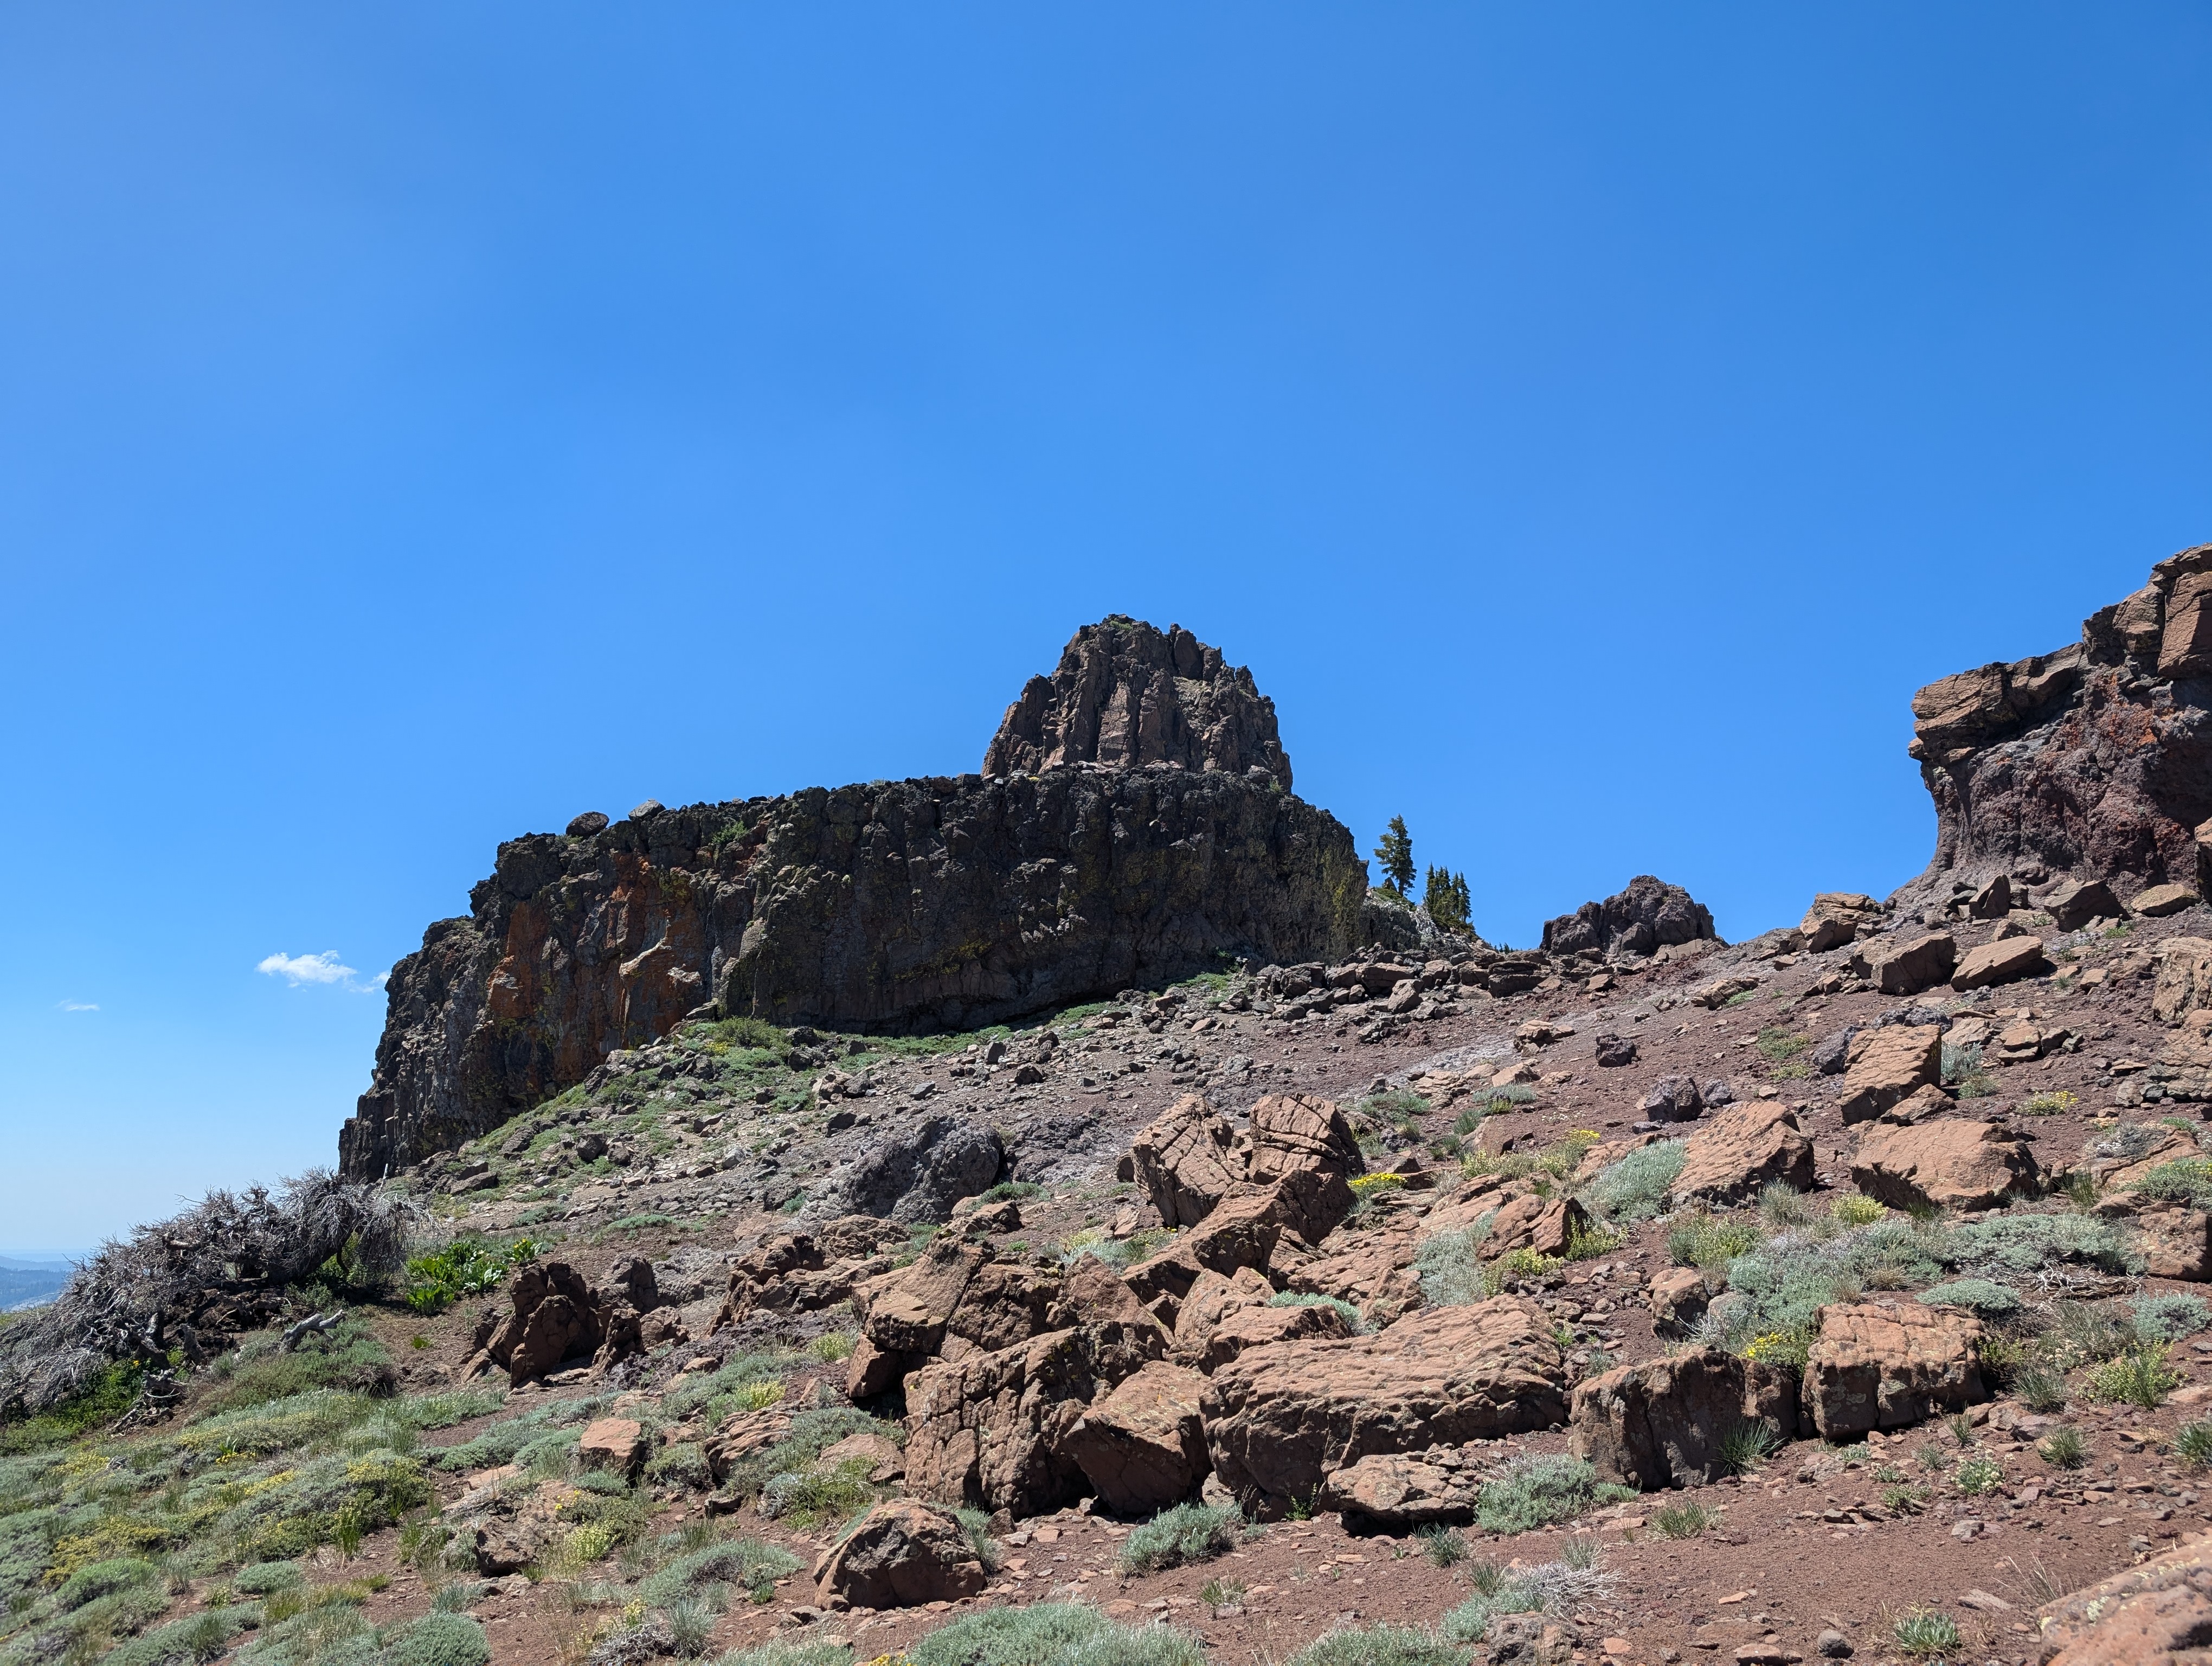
x: 1889, y: 1064
x: 1143, y: 1445
x: 903, y: 1554
x: 1661, y: 1423
x: 1731, y: 1157
x: 1890, y: 1365
x: 1279, y: 1418
x: 1399, y: 1492
x: 1946, y: 1165
x: 2001, y: 962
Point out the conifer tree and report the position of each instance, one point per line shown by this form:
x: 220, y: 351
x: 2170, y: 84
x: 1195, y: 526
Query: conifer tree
x: 1395, y: 853
x: 1448, y: 901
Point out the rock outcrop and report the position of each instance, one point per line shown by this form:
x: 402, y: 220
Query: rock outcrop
x: 1280, y: 1418
x: 1128, y: 695
x: 1646, y: 916
x: 2093, y: 762
x: 942, y: 903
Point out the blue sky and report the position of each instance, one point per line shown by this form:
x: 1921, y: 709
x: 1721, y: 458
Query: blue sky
x: 419, y: 424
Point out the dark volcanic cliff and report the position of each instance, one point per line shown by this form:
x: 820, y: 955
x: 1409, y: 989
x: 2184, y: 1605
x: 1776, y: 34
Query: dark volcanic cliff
x: 932, y: 903
x: 2095, y: 760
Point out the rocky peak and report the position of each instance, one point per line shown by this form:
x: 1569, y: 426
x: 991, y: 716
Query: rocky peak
x: 1127, y: 694
x: 1646, y: 916
x: 2094, y: 760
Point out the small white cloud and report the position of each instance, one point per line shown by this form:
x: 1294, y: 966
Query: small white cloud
x: 296, y: 969
x: 78, y: 1005
x: 379, y: 981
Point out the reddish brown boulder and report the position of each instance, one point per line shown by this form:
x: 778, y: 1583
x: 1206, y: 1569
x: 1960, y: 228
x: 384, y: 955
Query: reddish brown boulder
x: 903, y: 1554
x: 1677, y: 1297
x: 1295, y: 1132
x: 1257, y: 1326
x: 1143, y: 1444
x: 1727, y: 1160
x: 1661, y: 1423
x: 1835, y: 918
x: 1887, y: 1064
x: 554, y: 1319
x: 1092, y: 1293
x: 2000, y: 962
x: 991, y: 1431
x: 1906, y: 968
x: 616, y: 1446
x: 1241, y: 1232
x: 2174, y: 1241
x: 1547, y: 1226
x: 1185, y: 1161
x: 1211, y: 1299
x: 1279, y: 1417
x: 1890, y: 1365
x: 2158, y: 1613
x: 2185, y: 978
x: 1404, y: 1493
x: 872, y: 1370
x: 1945, y: 1165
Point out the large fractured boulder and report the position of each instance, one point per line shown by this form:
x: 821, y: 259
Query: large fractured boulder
x: 1889, y: 1365
x: 1242, y: 1232
x: 2174, y: 1241
x: 1639, y: 919
x: 1280, y: 1418
x: 2073, y: 904
x: 1295, y: 1132
x: 1185, y: 1161
x: 1728, y: 1161
x: 1944, y: 1165
x: 1402, y: 1492
x: 1661, y: 1423
x: 1143, y: 1444
x: 917, y: 1174
x: 991, y: 1431
x: 903, y: 1553
x: 1544, y: 1225
x: 1889, y: 1064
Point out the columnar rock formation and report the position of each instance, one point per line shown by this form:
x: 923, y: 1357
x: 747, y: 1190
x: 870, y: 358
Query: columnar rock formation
x: 2095, y: 760
x: 1127, y: 695
x: 941, y: 902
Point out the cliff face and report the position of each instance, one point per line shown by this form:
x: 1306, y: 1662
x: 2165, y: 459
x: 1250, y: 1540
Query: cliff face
x: 917, y: 905
x: 2095, y: 760
x: 1127, y: 695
